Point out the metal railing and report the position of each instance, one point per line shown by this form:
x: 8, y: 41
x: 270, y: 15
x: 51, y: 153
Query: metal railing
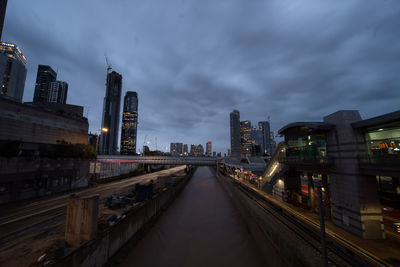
x: 305, y: 160
x: 388, y: 160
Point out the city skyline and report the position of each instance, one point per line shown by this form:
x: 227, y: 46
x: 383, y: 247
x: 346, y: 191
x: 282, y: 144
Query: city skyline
x: 252, y: 84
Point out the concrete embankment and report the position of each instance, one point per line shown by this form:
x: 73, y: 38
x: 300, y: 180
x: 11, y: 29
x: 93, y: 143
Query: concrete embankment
x: 97, y: 251
x: 270, y: 233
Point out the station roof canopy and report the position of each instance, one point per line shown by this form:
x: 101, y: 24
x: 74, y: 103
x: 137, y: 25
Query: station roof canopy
x: 310, y: 125
x: 389, y: 119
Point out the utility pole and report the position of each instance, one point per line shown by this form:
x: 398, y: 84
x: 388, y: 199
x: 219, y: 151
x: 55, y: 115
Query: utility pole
x: 322, y: 225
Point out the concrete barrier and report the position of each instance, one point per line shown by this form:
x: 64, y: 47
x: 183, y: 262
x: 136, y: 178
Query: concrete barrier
x: 269, y: 232
x: 98, y: 251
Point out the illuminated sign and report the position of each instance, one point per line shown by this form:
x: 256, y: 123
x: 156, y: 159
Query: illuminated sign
x: 387, y: 145
x: 8, y: 44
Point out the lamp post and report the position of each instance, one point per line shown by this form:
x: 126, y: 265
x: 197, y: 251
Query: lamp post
x: 101, y: 132
x: 322, y: 225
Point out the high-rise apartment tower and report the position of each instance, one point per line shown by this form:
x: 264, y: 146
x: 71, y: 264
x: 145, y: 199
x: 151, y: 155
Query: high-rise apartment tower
x: 209, y: 149
x: 235, y: 134
x: 12, y: 71
x: 111, y: 110
x: 129, y: 124
x: 58, y: 91
x: 45, y: 76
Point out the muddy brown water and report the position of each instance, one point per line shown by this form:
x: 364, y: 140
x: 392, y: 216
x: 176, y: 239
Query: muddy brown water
x: 201, y: 228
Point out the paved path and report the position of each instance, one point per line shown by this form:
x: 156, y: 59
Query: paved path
x: 201, y: 228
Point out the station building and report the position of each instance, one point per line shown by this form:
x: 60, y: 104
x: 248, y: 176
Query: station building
x: 356, y: 161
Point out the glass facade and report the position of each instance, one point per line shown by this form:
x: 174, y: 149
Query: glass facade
x: 306, y: 148
x: 383, y: 144
x: 129, y: 124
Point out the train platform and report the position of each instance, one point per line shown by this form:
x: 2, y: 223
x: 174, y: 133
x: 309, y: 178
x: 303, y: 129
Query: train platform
x: 387, y: 250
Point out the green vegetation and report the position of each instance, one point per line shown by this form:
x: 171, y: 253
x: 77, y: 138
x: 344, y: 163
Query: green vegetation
x: 62, y: 150
x: 67, y: 151
x: 9, y: 148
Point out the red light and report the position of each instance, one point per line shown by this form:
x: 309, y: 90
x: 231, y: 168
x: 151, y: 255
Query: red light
x: 22, y: 54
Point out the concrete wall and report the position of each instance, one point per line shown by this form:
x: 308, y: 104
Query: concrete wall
x: 275, y: 228
x: 24, y: 178
x: 270, y: 233
x: 37, y: 125
x: 97, y: 251
x: 355, y: 199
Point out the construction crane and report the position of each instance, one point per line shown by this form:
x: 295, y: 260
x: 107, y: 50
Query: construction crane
x: 109, y: 67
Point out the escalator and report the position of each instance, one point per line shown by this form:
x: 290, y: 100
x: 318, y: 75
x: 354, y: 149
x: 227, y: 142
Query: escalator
x: 274, y: 169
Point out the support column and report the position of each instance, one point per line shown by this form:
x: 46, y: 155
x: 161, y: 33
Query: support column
x: 355, y: 200
x: 311, y: 197
x: 81, y: 223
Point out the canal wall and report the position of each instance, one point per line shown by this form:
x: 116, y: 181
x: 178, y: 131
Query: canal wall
x: 268, y: 231
x: 98, y: 251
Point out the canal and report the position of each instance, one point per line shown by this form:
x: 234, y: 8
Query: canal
x: 202, y: 227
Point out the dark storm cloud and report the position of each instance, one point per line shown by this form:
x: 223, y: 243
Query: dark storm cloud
x: 192, y: 62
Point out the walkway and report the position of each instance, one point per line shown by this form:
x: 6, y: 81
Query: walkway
x: 201, y: 228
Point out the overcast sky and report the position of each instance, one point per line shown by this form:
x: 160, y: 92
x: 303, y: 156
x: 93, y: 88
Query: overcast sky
x: 193, y: 61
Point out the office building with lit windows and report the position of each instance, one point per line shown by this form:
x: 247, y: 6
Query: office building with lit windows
x: 245, y: 139
x: 209, y: 149
x: 111, y: 109
x: 129, y: 124
x: 176, y: 149
x: 12, y: 71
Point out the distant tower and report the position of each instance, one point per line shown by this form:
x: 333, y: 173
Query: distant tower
x: 58, y: 91
x: 266, y: 136
x: 45, y: 76
x: 3, y: 7
x: 129, y: 124
x: 209, y: 149
x: 245, y: 139
x: 235, y: 134
x: 111, y: 109
x: 12, y: 71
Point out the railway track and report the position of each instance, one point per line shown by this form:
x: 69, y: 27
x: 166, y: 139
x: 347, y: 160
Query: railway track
x: 40, y: 215
x: 339, y: 249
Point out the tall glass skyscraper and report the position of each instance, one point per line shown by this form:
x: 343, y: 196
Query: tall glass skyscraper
x: 129, y: 124
x: 209, y: 149
x: 111, y: 109
x: 245, y: 139
x: 235, y: 134
x: 12, y: 71
x: 45, y: 76
x: 265, y: 129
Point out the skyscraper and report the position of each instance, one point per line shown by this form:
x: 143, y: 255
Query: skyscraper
x: 12, y: 71
x: 209, y: 149
x: 58, y: 91
x: 176, y: 149
x: 45, y: 76
x: 196, y: 151
x: 257, y: 142
x: 129, y: 124
x: 3, y: 7
x: 245, y: 139
x: 265, y: 129
x: 235, y: 134
x: 111, y: 109
x: 185, y: 150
